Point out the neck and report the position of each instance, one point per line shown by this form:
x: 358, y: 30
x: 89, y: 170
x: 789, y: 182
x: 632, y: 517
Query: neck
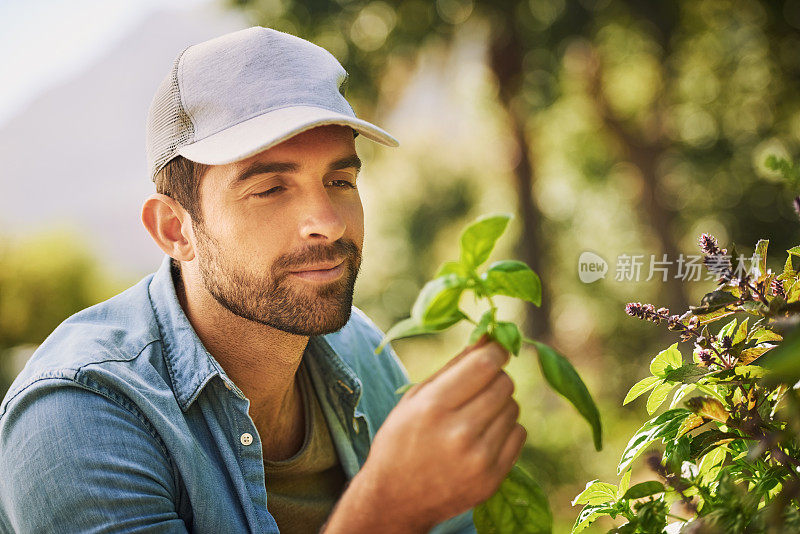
x: 262, y: 361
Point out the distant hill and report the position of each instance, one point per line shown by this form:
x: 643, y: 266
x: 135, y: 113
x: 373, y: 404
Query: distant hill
x: 75, y: 156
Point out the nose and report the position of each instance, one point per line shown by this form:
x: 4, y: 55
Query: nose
x: 321, y: 217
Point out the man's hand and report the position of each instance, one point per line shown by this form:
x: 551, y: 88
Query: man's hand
x: 446, y: 447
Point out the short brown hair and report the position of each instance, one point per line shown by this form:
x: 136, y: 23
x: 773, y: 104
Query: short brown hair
x: 180, y: 180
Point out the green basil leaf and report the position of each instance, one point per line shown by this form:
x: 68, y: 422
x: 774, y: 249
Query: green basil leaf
x: 665, y: 360
x: 479, y: 238
x: 707, y: 441
x: 624, y: 483
x: 518, y: 506
x: 411, y: 327
x: 514, y: 279
x: 658, y: 396
x: 712, y: 459
x: 792, y: 264
x: 560, y: 374
x: 453, y: 267
x: 762, y: 334
x: 688, y: 374
x: 644, y: 489
x: 664, y: 426
x: 758, y: 265
x: 438, y: 299
x: 716, y: 315
x: 481, y: 328
x: 642, y: 386
x: 508, y: 335
x: 680, y: 393
x: 596, y: 492
x: 405, y: 328
x: 711, y: 302
x: 741, y: 332
x: 750, y: 371
x: 588, y: 514
x: 689, y: 424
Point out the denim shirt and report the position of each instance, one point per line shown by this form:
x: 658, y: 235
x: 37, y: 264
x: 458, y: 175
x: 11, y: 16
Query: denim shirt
x: 122, y: 421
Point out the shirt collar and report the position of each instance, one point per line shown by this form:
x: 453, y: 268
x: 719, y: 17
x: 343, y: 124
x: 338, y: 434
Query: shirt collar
x: 190, y: 365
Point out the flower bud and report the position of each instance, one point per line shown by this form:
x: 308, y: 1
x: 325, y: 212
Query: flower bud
x: 705, y: 356
x: 777, y: 289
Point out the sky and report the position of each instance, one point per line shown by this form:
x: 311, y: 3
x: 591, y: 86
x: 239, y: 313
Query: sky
x: 45, y: 41
x: 77, y: 81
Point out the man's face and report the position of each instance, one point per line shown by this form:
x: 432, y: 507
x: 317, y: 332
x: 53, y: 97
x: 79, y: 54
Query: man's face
x: 289, y: 208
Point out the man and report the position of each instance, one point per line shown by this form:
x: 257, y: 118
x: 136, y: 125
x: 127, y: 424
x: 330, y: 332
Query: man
x: 236, y: 388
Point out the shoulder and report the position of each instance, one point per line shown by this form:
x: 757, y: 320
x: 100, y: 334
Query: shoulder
x: 63, y: 446
x: 116, y: 330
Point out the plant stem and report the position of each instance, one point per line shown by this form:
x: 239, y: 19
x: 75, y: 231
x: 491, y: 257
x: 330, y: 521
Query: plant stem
x: 677, y: 517
x: 494, y: 308
x: 761, y: 296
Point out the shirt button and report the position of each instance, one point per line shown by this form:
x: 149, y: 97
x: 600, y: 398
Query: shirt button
x: 246, y: 438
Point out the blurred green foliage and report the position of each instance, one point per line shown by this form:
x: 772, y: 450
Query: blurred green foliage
x: 43, y: 280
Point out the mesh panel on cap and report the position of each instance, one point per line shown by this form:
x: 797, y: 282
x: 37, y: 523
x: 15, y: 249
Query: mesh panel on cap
x: 168, y: 125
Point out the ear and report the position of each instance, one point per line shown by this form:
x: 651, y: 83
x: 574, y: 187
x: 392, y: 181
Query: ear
x: 169, y: 225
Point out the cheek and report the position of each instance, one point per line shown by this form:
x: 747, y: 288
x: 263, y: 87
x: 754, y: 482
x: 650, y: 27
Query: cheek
x: 355, y: 221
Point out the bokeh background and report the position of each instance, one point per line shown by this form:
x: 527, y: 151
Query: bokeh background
x: 611, y: 126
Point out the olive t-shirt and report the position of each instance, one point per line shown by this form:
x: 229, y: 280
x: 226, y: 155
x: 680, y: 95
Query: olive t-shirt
x: 302, y: 490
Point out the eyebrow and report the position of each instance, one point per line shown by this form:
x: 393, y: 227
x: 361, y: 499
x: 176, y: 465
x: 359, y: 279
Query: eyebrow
x: 351, y: 161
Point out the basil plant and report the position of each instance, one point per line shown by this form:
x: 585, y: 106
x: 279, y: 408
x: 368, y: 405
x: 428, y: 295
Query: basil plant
x: 519, y: 505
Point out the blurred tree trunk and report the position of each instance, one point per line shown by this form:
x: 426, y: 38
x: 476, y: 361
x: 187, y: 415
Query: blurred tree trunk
x: 645, y: 154
x: 505, y: 59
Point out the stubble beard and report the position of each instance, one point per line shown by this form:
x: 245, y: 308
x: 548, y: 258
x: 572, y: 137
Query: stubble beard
x: 273, y: 299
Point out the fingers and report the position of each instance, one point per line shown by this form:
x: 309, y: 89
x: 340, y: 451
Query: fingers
x: 500, y: 430
x: 487, y: 405
x: 468, y: 375
x: 511, y: 449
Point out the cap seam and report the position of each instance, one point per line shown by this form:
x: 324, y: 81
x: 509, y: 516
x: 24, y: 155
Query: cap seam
x: 265, y: 111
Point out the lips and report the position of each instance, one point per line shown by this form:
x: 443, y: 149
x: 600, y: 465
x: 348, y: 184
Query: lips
x: 319, y: 267
x: 321, y: 275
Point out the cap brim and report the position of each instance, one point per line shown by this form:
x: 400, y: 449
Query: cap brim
x: 264, y: 131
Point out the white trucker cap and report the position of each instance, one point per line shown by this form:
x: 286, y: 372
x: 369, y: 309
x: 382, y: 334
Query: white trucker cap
x: 233, y: 96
